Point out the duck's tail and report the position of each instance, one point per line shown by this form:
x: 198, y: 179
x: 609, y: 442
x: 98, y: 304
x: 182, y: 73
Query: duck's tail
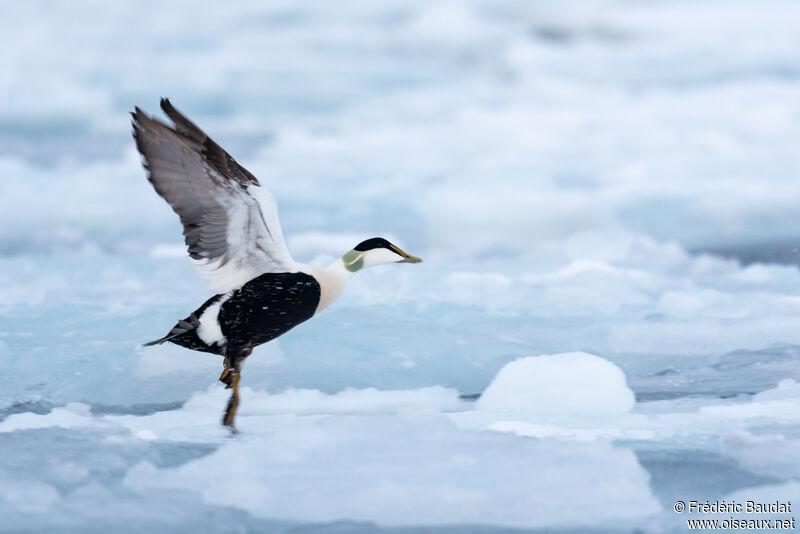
x: 183, y: 326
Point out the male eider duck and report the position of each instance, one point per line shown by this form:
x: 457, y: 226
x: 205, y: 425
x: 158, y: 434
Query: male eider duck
x: 231, y: 227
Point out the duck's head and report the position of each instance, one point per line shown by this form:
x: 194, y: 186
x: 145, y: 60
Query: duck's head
x: 375, y: 251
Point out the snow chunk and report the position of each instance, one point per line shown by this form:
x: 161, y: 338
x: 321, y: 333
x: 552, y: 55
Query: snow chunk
x: 574, y: 383
x: 780, y: 400
x: 72, y: 415
x: 786, y: 389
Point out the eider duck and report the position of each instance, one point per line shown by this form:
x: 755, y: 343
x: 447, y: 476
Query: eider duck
x: 230, y: 223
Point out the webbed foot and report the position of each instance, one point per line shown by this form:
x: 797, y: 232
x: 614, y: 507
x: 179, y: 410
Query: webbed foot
x: 225, y: 377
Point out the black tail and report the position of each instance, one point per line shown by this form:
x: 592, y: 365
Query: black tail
x: 157, y: 341
x: 183, y: 326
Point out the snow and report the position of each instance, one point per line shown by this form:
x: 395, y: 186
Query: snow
x: 604, y: 184
x: 574, y: 383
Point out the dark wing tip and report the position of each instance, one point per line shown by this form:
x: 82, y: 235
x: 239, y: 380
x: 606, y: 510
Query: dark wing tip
x: 136, y: 125
x: 139, y: 118
x: 166, y: 105
x: 182, y: 123
x: 140, y: 122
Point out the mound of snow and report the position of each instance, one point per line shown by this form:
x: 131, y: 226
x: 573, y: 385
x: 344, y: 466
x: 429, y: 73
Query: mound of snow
x: 574, y: 383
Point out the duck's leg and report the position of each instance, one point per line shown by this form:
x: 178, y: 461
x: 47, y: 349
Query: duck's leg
x: 230, y: 376
x: 233, y: 402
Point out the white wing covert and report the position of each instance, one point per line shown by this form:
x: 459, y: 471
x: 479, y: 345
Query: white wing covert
x: 230, y: 223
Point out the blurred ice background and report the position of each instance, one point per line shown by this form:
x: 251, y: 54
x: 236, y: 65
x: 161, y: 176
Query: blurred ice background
x: 618, y: 178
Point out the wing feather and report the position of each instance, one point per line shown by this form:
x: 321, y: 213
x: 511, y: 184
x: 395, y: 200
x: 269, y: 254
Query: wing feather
x: 230, y: 223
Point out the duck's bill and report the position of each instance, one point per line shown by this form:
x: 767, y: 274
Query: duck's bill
x: 407, y: 258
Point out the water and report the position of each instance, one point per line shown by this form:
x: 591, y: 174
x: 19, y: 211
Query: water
x: 605, y: 177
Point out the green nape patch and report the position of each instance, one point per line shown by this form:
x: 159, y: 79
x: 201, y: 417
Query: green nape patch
x: 353, y: 260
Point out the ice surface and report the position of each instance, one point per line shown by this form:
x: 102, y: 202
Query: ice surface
x: 413, y: 470
x: 560, y: 166
x: 383, y: 456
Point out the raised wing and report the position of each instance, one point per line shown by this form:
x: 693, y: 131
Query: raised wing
x: 229, y: 221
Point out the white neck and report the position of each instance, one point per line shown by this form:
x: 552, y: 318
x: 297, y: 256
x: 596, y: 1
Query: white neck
x: 332, y: 280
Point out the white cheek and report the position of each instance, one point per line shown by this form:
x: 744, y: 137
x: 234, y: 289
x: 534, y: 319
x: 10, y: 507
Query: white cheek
x: 378, y: 256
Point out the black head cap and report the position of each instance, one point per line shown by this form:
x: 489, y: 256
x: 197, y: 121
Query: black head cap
x: 375, y: 242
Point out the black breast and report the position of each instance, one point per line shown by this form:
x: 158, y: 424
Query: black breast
x: 267, y: 306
